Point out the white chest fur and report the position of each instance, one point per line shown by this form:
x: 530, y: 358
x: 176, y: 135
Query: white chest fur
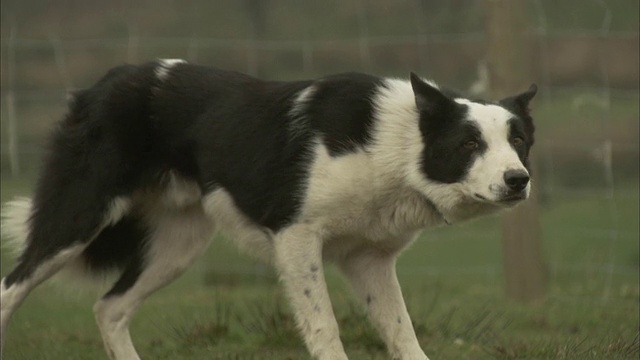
x: 357, y: 205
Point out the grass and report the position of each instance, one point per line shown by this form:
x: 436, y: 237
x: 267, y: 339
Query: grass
x: 229, y: 307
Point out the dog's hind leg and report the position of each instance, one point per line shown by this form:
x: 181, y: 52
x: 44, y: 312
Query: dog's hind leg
x: 14, y: 292
x: 175, y: 239
x: 46, y: 251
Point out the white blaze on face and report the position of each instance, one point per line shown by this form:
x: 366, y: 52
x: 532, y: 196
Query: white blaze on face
x: 486, y: 175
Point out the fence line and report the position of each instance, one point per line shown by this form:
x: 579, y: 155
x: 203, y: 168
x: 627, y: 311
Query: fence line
x: 275, y: 44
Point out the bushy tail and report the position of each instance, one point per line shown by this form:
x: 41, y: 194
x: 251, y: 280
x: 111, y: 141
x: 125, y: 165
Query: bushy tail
x: 16, y: 215
x: 15, y: 224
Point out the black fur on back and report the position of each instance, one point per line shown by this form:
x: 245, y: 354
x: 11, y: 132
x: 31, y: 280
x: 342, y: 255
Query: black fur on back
x: 237, y: 128
x: 217, y: 128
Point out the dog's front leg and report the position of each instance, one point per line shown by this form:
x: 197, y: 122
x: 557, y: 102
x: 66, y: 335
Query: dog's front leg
x: 298, y: 252
x: 373, y: 276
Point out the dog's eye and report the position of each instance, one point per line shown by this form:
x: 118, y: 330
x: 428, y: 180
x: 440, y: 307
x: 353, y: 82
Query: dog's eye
x: 518, y: 141
x: 471, y: 145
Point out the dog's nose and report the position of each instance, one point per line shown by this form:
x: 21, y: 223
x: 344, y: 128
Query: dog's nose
x: 516, y: 180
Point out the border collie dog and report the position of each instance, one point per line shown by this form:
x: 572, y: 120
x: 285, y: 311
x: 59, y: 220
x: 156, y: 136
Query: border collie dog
x: 154, y: 159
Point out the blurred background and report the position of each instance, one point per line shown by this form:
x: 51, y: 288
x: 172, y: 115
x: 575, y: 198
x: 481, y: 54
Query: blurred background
x: 572, y: 291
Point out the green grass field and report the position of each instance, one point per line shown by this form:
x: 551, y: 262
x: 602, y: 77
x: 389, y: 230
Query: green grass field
x: 228, y: 307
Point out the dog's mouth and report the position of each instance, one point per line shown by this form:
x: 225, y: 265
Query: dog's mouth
x: 506, y: 199
x: 513, y: 198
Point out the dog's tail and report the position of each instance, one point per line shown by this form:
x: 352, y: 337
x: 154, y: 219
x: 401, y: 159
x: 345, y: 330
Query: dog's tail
x: 15, y: 224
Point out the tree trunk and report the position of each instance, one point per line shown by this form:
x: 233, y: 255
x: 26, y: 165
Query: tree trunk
x: 509, y: 58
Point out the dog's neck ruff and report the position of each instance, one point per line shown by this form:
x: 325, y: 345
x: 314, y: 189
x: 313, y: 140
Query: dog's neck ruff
x: 437, y: 211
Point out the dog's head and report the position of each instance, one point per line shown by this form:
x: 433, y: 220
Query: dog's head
x: 479, y: 148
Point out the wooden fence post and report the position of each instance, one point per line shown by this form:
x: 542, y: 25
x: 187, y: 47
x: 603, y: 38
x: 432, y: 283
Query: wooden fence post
x: 509, y: 58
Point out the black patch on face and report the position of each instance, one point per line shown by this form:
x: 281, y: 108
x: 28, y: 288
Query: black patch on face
x: 445, y: 158
x: 522, y: 125
x: 519, y: 105
x: 519, y: 129
x: 445, y: 131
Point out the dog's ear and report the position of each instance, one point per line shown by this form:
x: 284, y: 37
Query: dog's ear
x: 522, y: 100
x: 428, y: 97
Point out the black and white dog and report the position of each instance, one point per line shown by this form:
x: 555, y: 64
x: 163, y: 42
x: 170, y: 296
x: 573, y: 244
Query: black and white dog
x: 154, y: 159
